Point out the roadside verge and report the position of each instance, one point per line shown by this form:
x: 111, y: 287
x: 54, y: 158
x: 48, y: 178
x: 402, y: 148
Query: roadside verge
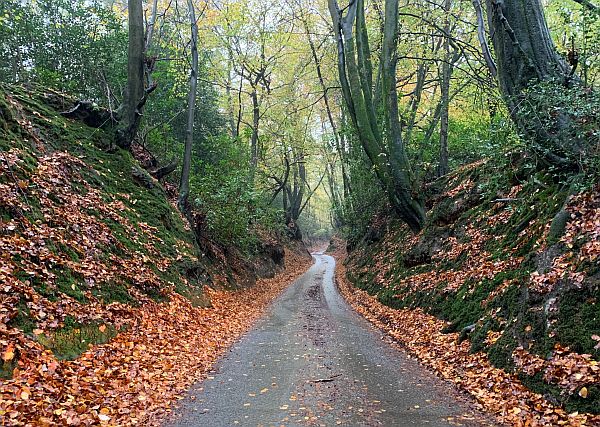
x: 420, y: 335
x: 137, y: 377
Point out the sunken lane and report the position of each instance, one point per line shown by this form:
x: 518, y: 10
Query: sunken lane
x: 313, y: 361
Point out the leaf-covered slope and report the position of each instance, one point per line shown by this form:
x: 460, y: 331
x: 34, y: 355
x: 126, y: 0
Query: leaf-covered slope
x: 81, y: 239
x: 93, y: 252
x: 508, y: 263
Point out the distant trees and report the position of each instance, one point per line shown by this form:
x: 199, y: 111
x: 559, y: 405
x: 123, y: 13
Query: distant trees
x: 256, y: 36
x: 262, y: 124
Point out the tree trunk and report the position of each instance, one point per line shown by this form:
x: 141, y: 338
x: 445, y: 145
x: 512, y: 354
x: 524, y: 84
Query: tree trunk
x: 333, y: 193
x: 163, y: 171
x: 415, y: 100
x: 151, y: 25
x: 526, y: 56
x: 184, y: 186
x: 337, y: 200
x: 385, y: 150
x: 524, y: 49
x: 344, y: 159
x: 445, y: 93
x: 135, y: 95
x: 409, y: 209
x: 230, y: 107
x: 150, y: 62
x: 254, y: 138
x: 444, y: 119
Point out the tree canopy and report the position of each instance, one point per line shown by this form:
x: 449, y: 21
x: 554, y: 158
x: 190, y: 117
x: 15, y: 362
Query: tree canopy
x: 312, y: 115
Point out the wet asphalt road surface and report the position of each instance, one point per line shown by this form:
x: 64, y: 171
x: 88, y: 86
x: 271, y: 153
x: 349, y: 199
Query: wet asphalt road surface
x: 313, y: 361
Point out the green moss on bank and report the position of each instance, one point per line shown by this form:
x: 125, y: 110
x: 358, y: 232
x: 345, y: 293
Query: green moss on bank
x: 32, y: 127
x: 515, y: 230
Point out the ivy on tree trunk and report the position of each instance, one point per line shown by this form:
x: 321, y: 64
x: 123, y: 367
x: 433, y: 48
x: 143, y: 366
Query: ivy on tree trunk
x: 526, y: 57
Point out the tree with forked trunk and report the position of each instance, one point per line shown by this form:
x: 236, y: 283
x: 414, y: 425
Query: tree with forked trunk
x: 380, y: 139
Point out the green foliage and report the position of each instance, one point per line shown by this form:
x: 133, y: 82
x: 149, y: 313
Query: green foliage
x: 574, y: 27
x: 220, y: 187
x: 366, y: 199
x: 75, y: 45
x: 475, y: 137
x: 472, y: 136
x: 165, y: 122
x: 568, y: 117
x: 222, y: 191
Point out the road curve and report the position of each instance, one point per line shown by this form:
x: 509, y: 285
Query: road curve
x: 313, y: 361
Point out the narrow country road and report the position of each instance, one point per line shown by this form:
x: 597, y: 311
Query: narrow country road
x: 313, y: 361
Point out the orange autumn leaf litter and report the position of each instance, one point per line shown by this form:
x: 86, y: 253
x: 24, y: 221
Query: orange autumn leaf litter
x: 137, y: 377
x: 495, y: 390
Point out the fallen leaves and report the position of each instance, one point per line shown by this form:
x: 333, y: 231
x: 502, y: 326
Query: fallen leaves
x: 496, y: 390
x: 493, y: 250
x: 74, y: 220
x: 9, y: 353
x: 569, y: 370
x: 58, y: 224
x: 581, y: 238
x: 134, y: 379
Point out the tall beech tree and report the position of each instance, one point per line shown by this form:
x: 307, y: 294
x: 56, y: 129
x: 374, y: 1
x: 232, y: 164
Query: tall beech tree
x: 381, y: 140
x: 526, y: 56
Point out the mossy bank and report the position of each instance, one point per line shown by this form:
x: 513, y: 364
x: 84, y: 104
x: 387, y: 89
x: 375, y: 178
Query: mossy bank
x: 509, y: 258
x: 86, y: 232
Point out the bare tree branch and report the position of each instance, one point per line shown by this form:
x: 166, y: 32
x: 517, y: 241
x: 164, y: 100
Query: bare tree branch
x: 487, y: 54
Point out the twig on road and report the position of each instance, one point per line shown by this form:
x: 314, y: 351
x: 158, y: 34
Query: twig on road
x: 325, y: 380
